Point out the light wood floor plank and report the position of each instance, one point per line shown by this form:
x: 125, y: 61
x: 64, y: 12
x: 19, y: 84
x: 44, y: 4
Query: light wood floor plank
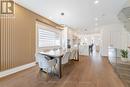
x: 88, y: 72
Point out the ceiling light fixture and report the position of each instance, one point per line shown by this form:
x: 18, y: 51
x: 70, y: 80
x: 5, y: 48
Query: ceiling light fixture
x: 62, y: 14
x: 85, y: 30
x: 129, y: 18
x: 96, y: 2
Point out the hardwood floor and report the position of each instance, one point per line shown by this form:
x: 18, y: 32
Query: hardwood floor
x: 88, y: 72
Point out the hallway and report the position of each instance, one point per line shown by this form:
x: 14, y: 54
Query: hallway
x: 88, y: 72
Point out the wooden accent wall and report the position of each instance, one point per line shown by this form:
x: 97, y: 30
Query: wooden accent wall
x: 7, y: 43
x: 18, y: 38
x: 0, y: 43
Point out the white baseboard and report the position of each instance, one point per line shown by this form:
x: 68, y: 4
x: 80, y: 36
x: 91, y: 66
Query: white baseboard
x: 16, y: 69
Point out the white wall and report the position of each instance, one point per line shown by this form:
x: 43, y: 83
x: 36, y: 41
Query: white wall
x: 114, y: 35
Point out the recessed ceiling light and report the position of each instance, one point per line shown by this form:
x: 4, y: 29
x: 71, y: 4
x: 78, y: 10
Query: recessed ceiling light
x: 96, y: 2
x: 96, y: 24
x: 96, y: 19
x: 50, y: 17
x: 129, y: 18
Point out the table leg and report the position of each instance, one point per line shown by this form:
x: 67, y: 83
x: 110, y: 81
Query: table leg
x: 77, y: 55
x: 60, y: 68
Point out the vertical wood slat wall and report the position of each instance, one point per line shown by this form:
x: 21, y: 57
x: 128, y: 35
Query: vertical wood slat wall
x: 7, y: 43
x: 17, y: 38
x: 0, y: 43
x: 0, y: 39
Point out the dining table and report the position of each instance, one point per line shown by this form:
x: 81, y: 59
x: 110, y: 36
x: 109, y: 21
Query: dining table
x: 58, y: 54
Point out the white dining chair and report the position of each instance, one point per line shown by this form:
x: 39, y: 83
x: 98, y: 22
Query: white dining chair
x: 65, y: 58
x: 46, y: 63
x: 73, y: 54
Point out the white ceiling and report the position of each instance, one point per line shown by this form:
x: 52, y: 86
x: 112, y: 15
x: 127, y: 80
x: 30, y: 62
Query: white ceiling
x: 78, y: 14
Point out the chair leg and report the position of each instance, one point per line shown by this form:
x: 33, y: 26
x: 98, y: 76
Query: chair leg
x: 52, y: 71
x: 55, y: 68
x: 48, y: 74
x: 55, y: 71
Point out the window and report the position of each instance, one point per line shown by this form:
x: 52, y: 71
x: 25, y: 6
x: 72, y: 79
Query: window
x: 48, y: 37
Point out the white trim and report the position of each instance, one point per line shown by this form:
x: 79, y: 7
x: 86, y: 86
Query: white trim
x: 16, y: 69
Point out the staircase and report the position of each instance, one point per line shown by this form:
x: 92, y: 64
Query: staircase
x: 123, y: 70
x: 124, y: 17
